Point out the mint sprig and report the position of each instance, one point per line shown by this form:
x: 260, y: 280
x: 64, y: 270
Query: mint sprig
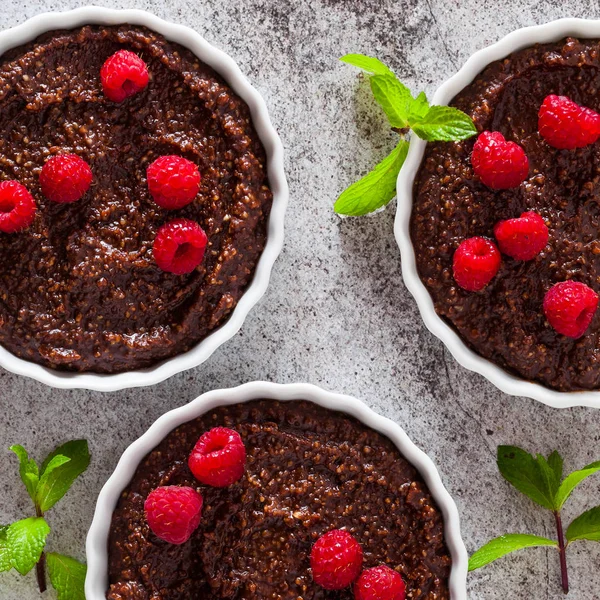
x: 22, y: 543
x: 404, y: 113
x: 541, y: 480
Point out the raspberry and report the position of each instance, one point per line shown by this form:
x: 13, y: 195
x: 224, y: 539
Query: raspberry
x: 65, y: 178
x: 380, y: 583
x: 173, y: 181
x: 523, y: 238
x: 569, y: 307
x: 476, y: 262
x: 566, y: 125
x: 336, y: 560
x: 17, y: 207
x: 218, y: 458
x: 173, y: 512
x: 179, y: 246
x: 499, y: 164
x: 122, y: 75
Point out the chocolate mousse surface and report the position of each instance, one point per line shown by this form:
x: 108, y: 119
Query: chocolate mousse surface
x: 505, y: 322
x: 309, y: 470
x: 79, y: 289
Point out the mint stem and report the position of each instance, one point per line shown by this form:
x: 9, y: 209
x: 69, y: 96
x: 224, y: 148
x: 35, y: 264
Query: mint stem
x: 40, y: 568
x: 562, y: 549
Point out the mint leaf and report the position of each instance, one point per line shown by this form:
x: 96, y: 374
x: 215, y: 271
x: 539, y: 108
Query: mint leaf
x: 504, y: 545
x: 55, y: 462
x: 58, y: 475
x: 444, y: 124
x: 375, y: 189
x: 524, y: 472
x: 5, y: 559
x: 556, y: 464
x: 551, y: 481
x: 394, y: 97
x: 585, y: 527
x: 418, y: 108
x: 26, y: 540
x: 572, y: 481
x: 367, y: 63
x: 67, y: 576
x: 28, y: 470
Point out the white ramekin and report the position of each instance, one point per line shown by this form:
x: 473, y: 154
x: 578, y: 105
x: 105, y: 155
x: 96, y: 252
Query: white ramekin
x: 96, y: 582
x: 508, y: 383
x: 228, y: 69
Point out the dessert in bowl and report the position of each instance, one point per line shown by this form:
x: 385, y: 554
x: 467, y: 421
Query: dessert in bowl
x: 315, y: 462
x: 506, y: 327
x: 177, y: 216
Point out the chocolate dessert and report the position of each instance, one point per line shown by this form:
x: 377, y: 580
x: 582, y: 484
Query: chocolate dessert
x: 79, y: 288
x: 308, y: 470
x: 505, y: 321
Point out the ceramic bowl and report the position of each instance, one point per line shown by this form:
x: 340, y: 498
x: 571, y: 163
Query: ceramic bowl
x: 507, y: 382
x: 97, y: 540
x: 228, y: 69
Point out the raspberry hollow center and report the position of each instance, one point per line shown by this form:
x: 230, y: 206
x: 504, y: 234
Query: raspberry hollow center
x: 7, y: 205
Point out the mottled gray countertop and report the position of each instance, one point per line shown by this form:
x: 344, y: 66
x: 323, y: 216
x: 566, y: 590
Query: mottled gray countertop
x: 337, y: 313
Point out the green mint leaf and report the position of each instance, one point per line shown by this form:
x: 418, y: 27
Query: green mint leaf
x: 58, y: 475
x: 551, y: 481
x: 26, y: 540
x: 67, y: 576
x: 55, y: 462
x: 28, y: 470
x: 524, y: 472
x: 367, y: 63
x: 572, y: 481
x: 556, y: 464
x: 51, y: 483
x: 418, y: 108
x: 504, y: 545
x: 394, y: 97
x: 375, y: 189
x: 585, y: 527
x: 444, y: 124
x: 5, y: 558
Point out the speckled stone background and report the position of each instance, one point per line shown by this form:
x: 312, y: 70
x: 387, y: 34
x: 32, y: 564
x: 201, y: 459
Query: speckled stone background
x: 337, y: 313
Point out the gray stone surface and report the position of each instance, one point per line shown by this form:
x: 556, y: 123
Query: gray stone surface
x: 337, y: 313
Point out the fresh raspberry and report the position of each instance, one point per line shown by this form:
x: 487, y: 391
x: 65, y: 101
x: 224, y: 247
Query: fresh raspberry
x: 179, y: 246
x: 173, y: 181
x: 122, y: 75
x: 380, y: 583
x: 218, y: 458
x: 569, y: 307
x: 499, y: 164
x: 65, y: 178
x: 17, y: 207
x: 476, y: 262
x: 336, y: 560
x: 523, y: 238
x: 173, y: 512
x: 566, y: 125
